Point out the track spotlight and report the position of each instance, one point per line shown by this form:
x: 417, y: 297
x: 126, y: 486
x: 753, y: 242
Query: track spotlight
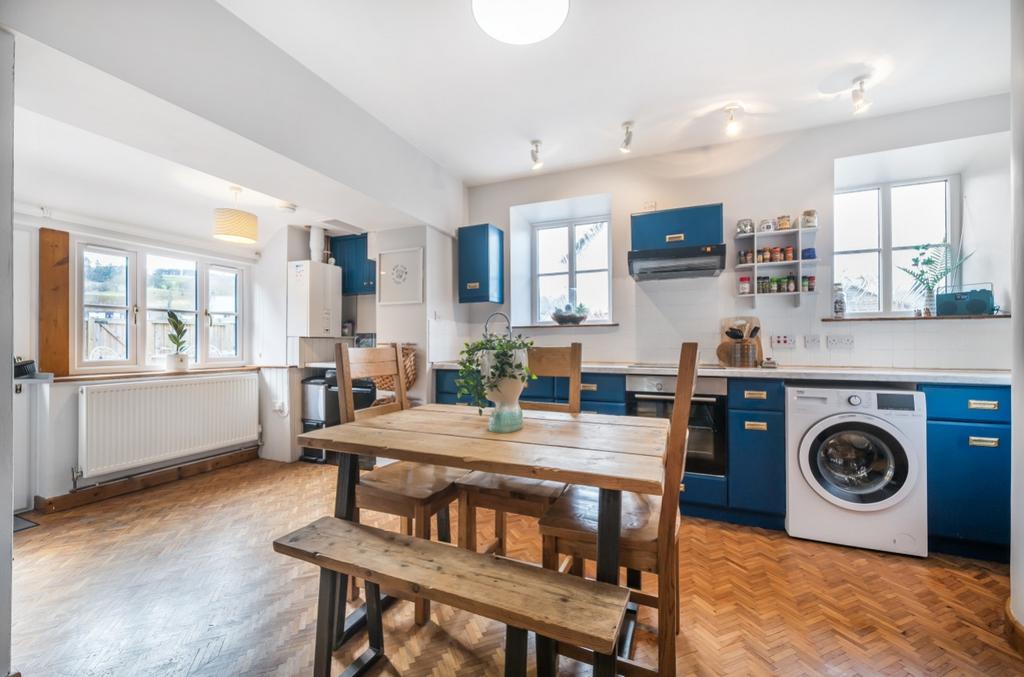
x: 535, y: 155
x: 627, y: 139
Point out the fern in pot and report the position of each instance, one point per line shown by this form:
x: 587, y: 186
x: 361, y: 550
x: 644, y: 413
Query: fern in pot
x: 496, y: 368
x: 177, y: 360
x: 929, y: 267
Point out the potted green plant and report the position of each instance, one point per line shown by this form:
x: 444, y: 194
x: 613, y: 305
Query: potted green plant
x: 178, y: 360
x: 929, y: 267
x: 496, y: 368
x: 570, y: 314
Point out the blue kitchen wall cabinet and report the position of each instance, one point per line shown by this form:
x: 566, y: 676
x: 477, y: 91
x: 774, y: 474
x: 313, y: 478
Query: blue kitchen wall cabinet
x: 358, y: 273
x: 681, y: 227
x: 481, y: 264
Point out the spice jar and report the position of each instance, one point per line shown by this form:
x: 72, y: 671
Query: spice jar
x: 810, y: 283
x: 760, y: 257
x: 776, y: 254
x: 749, y: 256
x: 766, y: 253
x: 805, y: 284
x: 783, y: 222
x: 744, y: 286
x: 789, y: 253
x: 791, y: 283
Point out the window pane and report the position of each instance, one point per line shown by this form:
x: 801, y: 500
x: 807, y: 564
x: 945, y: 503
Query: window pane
x: 592, y: 291
x: 591, y: 243
x: 856, y: 217
x: 106, y: 279
x: 223, y: 336
x: 858, y: 273
x: 170, y: 283
x: 919, y: 214
x: 158, y: 345
x: 106, y: 334
x: 552, y: 250
x: 553, y: 293
x: 223, y: 291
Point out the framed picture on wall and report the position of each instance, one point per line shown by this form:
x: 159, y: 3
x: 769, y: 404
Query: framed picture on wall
x: 401, y: 276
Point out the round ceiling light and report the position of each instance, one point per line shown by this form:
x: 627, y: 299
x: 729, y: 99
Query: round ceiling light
x: 520, y: 22
x: 235, y: 225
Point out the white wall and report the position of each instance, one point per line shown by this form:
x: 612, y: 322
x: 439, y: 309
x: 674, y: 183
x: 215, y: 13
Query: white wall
x: 1017, y: 185
x: 755, y: 178
x: 987, y: 225
x: 6, y: 339
x: 26, y: 297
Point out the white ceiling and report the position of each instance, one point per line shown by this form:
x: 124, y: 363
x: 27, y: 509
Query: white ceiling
x: 66, y: 169
x: 473, y: 104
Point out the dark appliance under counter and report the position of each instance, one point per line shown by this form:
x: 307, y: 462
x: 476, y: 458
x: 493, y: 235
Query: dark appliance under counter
x: 707, y: 449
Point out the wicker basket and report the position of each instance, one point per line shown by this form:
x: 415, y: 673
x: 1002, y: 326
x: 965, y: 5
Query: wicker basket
x: 408, y: 367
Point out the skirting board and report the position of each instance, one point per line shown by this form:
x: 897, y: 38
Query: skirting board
x: 153, y: 478
x: 1014, y: 630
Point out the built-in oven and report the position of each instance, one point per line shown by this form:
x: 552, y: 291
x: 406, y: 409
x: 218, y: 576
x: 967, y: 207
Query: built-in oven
x: 707, y: 450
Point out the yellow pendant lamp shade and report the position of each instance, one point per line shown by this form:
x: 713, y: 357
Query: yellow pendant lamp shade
x: 235, y: 225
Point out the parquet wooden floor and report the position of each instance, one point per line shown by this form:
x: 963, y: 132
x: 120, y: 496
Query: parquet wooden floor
x: 181, y: 580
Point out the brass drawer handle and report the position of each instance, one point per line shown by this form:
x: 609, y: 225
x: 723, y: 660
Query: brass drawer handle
x: 589, y: 387
x: 984, y: 405
x: 675, y: 237
x: 472, y: 285
x: 755, y: 425
x: 975, y: 441
x: 755, y: 395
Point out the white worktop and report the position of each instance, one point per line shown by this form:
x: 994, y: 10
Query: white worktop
x: 796, y: 373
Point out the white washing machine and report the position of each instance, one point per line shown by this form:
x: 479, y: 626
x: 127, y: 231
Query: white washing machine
x: 856, y: 468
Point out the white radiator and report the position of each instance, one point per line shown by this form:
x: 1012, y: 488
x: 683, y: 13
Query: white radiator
x: 132, y: 424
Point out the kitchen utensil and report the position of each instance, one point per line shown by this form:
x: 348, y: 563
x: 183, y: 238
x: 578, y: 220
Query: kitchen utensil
x: 734, y: 333
x: 754, y: 332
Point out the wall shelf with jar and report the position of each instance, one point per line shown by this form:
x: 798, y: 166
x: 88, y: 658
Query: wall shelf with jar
x: 776, y: 257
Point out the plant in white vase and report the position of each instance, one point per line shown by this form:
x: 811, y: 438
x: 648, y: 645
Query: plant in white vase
x: 931, y: 265
x: 496, y: 368
x: 178, y: 360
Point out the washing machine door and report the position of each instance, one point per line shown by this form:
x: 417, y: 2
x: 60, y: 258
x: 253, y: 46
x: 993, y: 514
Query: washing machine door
x: 858, y: 462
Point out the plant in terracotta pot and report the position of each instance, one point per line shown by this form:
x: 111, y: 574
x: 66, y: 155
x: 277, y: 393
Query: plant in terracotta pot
x: 496, y: 368
x: 178, y: 360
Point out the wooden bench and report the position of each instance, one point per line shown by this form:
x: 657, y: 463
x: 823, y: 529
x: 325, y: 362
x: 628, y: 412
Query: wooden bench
x: 557, y: 607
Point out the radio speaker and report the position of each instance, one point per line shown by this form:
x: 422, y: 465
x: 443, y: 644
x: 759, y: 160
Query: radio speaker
x: 974, y: 302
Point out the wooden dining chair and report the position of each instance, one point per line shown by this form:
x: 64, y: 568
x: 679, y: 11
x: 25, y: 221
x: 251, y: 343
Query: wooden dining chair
x: 519, y: 495
x: 649, y: 538
x: 413, y: 491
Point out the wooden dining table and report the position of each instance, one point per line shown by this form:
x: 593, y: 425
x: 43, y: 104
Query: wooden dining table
x: 611, y: 453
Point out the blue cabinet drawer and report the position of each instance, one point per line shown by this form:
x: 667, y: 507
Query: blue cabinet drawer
x: 757, y: 461
x: 682, y: 227
x: 595, y: 388
x: 969, y: 481
x: 540, y: 389
x: 481, y: 264
x: 757, y: 394
x: 450, y: 398
x: 610, y: 408
x: 704, y: 489
x: 445, y: 381
x: 985, y: 404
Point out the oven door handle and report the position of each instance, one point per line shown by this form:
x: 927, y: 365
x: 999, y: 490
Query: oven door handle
x: 671, y: 398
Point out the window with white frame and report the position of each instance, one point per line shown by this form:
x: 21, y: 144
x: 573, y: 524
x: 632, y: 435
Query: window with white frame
x: 880, y: 229
x: 571, y: 267
x: 124, y: 295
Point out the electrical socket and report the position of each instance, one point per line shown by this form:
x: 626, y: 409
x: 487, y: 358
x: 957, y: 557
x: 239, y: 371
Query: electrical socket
x: 649, y: 205
x: 840, y: 341
x: 783, y: 341
x: 812, y: 342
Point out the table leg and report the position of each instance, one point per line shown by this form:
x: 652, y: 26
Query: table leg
x: 345, y: 627
x: 609, y: 523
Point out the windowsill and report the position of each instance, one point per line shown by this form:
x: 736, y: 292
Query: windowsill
x: 904, y: 318
x: 565, y: 326
x: 117, y: 376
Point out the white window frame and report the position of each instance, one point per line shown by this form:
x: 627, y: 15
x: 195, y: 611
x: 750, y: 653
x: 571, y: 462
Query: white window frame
x: 570, y: 226
x: 885, y: 249
x: 138, y: 311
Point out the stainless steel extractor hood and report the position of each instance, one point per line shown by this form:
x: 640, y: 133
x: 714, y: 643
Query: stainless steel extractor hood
x: 669, y: 263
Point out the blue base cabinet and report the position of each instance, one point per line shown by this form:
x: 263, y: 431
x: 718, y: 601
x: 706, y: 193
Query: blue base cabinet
x: 757, y: 461
x: 481, y: 264
x: 601, y: 393
x: 969, y: 470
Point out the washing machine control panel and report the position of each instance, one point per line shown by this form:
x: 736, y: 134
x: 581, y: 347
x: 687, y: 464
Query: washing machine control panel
x: 854, y: 400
